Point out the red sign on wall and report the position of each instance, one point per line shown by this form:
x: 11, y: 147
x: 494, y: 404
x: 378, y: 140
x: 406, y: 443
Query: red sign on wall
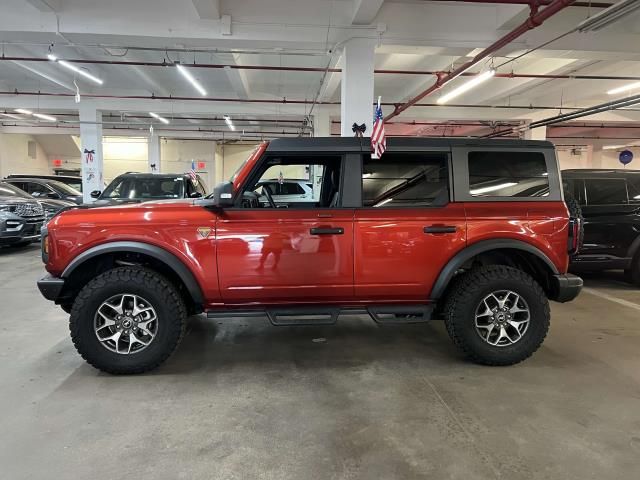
x: 57, y: 162
x: 202, y: 165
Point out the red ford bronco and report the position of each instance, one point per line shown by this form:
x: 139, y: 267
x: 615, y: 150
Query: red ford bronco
x: 475, y: 232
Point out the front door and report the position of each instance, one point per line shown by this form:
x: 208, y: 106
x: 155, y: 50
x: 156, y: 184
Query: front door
x: 276, y: 251
x: 406, y: 230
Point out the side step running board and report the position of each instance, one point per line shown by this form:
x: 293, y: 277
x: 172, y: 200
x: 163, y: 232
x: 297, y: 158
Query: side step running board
x: 301, y: 316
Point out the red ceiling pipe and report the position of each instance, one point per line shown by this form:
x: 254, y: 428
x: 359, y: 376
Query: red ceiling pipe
x: 536, y: 19
x: 532, y: 2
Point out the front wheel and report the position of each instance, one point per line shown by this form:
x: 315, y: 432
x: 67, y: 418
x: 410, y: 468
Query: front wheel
x: 497, y: 315
x: 127, y: 320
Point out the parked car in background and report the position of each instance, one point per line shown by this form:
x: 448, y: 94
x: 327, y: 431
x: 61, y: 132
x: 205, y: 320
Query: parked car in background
x: 143, y: 187
x: 43, y: 188
x: 610, y: 201
x: 288, y: 189
x: 21, y: 217
x: 73, y: 181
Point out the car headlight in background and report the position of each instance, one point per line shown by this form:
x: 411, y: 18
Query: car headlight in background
x: 5, y: 208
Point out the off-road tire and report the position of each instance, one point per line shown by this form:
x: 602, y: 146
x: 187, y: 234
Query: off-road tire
x: 575, y: 211
x: 159, y: 292
x: 466, y: 295
x: 632, y: 274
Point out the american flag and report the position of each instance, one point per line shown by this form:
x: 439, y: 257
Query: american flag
x: 192, y: 172
x: 378, y: 138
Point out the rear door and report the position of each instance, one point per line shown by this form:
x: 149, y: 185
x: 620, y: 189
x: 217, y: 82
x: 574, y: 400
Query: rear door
x: 406, y: 229
x: 609, y: 226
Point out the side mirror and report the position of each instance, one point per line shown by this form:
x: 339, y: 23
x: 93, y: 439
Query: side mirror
x: 195, y: 195
x: 223, y: 194
x: 95, y: 194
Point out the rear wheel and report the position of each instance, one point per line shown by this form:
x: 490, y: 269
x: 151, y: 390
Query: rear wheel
x: 497, y: 315
x: 632, y: 274
x: 127, y: 320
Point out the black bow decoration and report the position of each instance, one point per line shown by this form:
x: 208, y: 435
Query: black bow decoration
x: 358, y: 129
x: 89, y: 154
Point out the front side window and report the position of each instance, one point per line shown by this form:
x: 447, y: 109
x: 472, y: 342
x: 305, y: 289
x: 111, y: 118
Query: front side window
x: 39, y: 190
x: 404, y: 180
x: 606, y: 191
x: 281, y: 180
x: 508, y: 174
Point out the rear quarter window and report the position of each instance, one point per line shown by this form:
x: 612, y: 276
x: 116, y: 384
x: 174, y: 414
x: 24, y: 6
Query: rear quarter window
x: 508, y: 174
x: 606, y: 191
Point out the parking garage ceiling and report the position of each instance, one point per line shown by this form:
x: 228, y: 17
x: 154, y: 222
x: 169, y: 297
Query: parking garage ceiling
x: 270, y: 65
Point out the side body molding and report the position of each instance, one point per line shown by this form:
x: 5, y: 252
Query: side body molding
x: 158, y: 253
x: 471, y: 251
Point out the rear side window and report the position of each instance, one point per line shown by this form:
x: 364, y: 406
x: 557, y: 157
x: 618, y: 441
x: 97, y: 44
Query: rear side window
x: 508, y: 174
x: 575, y: 188
x: 633, y: 187
x: 606, y: 191
x: 404, y: 180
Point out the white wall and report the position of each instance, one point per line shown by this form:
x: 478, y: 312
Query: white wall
x: 176, y: 156
x: 229, y: 158
x: 14, y: 157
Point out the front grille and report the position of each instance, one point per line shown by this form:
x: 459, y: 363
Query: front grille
x: 27, y: 210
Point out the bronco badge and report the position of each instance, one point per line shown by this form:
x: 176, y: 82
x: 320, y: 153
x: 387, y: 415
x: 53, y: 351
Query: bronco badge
x: 204, y: 231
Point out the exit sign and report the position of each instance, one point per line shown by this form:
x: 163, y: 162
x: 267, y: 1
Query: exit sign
x: 202, y: 165
x: 57, y: 162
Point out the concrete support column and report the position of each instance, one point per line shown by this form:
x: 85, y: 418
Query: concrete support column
x: 91, y: 150
x: 154, y: 153
x: 539, y: 133
x: 357, y: 85
x: 321, y: 123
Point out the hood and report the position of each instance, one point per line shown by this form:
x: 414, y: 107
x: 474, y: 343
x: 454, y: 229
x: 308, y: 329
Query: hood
x: 52, y: 203
x: 106, y: 202
x: 16, y: 201
x: 133, y: 202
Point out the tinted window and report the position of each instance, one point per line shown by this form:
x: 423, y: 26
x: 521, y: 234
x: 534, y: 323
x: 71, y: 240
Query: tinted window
x: 575, y: 188
x: 38, y: 189
x: 606, y: 191
x: 508, y: 174
x: 64, y: 188
x: 633, y: 186
x: 200, y: 187
x: 7, y: 190
x: 284, y: 188
x: 404, y: 180
x: 156, y: 187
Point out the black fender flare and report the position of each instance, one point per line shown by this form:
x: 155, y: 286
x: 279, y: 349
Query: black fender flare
x: 153, y: 251
x: 459, y: 259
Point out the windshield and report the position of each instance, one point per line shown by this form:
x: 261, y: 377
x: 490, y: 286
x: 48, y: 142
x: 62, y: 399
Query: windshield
x: 64, y: 188
x: 145, y: 188
x: 7, y: 190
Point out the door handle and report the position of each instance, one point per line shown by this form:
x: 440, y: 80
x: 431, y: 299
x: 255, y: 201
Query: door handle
x: 326, y: 231
x: 440, y: 229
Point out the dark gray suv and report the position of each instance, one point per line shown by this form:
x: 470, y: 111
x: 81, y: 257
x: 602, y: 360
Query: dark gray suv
x: 21, y: 217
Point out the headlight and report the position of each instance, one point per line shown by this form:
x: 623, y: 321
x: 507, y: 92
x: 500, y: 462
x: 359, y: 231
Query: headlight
x: 44, y: 242
x: 5, y: 208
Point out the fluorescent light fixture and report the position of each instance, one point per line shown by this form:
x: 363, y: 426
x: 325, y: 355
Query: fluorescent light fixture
x: 613, y: 147
x: 75, y: 69
x: 48, y: 118
x: 465, y: 87
x: 608, y: 16
x: 23, y: 111
x: 624, y: 88
x: 186, y: 74
x: 383, y: 202
x: 492, y: 188
x: 11, y: 116
x: 162, y: 119
x: 229, y: 123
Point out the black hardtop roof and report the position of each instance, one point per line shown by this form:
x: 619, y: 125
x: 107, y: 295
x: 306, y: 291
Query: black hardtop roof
x: 43, y: 177
x: 152, y: 175
x: 353, y: 144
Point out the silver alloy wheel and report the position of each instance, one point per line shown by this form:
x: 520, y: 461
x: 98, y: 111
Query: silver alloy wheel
x: 502, y: 318
x: 125, y: 323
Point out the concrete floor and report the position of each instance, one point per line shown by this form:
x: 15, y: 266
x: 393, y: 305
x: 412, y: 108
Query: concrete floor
x: 243, y: 400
